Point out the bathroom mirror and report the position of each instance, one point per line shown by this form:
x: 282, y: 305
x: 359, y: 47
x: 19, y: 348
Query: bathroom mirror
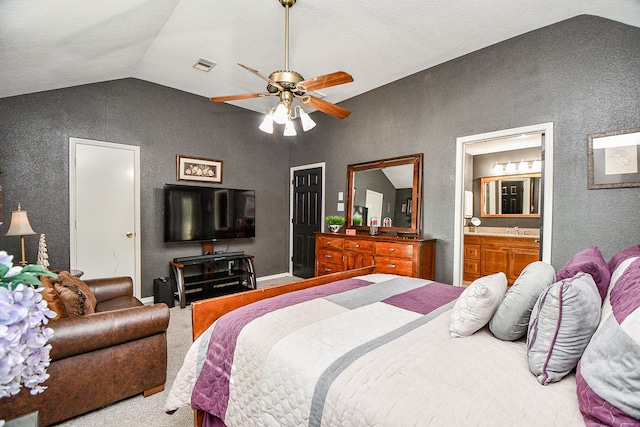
x: 511, y: 196
x: 387, y: 192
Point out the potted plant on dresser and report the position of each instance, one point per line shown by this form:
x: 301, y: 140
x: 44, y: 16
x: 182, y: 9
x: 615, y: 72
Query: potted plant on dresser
x: 335, y: 222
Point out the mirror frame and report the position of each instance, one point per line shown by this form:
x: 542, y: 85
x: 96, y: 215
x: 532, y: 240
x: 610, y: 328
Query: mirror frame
x: 486, y: 179
x: 416, y: 195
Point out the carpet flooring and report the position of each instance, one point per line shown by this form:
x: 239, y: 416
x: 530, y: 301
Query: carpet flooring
x: 149, y: 411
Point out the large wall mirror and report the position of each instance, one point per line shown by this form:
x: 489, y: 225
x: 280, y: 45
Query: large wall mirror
x: 511, y: 196
x: 388, y: 191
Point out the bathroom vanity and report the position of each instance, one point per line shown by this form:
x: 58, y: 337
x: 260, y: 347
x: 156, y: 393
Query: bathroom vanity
x: 494, y: 249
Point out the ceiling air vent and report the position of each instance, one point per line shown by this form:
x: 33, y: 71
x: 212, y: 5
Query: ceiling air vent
x: 204, y: 64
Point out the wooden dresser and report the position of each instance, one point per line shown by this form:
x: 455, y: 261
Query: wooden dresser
x: 484, y: 255
x: 407, y: 257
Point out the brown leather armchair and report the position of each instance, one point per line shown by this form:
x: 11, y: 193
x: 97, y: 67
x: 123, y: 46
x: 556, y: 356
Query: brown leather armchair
x: 100, y: 358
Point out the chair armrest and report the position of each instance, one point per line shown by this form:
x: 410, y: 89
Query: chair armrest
x: 111, y: 287
x: 77, y: 335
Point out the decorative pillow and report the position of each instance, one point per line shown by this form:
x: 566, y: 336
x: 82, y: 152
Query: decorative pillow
x: 608, y: 378
x: 628, y: 252
x: 50, y: 295
x: 66, y: 278
x: 76, y: 296
x: 562, y: 322
x: 476, y: 304
x: 511, y: 319
x: 588, y: 261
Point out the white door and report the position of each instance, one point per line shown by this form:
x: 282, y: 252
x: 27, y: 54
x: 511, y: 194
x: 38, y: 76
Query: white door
x: 373, y: 203
x: 104, y: 209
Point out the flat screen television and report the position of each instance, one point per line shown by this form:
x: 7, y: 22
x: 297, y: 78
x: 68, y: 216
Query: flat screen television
x: 199, y: 214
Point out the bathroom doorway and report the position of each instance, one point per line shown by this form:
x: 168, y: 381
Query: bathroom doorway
x: 510, y: 153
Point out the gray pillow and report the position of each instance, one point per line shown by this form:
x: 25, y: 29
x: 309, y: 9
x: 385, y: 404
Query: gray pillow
x: 563, y: 320
x: 511, y: 319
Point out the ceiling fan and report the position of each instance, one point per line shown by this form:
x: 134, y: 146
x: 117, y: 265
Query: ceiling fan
x: 289, y: 85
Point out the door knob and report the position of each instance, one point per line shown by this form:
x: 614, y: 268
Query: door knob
x: 129, y: 234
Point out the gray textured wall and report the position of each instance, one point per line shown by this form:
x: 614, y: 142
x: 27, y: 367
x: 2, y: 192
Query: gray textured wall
x: 34, y: 153
x: 582, y: 74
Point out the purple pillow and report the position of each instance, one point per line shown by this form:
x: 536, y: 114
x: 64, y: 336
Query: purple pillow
x: 626, y: 253
x: 588, y: 261
x: 607, y: 378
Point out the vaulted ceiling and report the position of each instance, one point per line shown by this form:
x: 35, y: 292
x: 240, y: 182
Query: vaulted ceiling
x: 60, y: 43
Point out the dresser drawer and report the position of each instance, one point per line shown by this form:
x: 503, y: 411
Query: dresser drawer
x: 327, y: 267
x: 393, y: 265
x: 398, y: 250
x: 363, y: 246
x: 326, y: 242
x: 330, y: 257
x: 472, y: 251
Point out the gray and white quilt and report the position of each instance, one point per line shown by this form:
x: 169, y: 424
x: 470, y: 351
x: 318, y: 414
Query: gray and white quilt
x: 369, y: 351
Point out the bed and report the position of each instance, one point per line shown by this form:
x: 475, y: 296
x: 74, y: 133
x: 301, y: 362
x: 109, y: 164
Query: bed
x: 360, y: 348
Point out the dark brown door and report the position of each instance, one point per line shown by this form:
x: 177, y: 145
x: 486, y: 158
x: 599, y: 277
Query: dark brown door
x: 512, y: 197
x: 307, y: 212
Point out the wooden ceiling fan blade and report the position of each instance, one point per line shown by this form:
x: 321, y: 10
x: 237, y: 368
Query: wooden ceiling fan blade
x: 326, y: 107
x: 262, y: 76
x: 328, y: 80
x: 237, y: 97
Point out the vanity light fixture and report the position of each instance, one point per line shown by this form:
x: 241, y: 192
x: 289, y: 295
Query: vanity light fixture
x: 524, y: 166
x: 283, y: 114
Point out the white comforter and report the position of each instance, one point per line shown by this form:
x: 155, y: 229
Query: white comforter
x: 304, y: 365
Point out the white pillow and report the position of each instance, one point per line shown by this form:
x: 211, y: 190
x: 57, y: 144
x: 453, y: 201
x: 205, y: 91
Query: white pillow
x: 476, y: 305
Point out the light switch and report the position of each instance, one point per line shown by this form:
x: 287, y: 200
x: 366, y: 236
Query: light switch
x: 340, y: 196
x: 340, y: 207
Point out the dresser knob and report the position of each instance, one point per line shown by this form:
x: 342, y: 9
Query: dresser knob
x: 327, y: 256
x: 357, y: 246
x: 327, y: 269
x: 391, y: 266
x: 392, y: 250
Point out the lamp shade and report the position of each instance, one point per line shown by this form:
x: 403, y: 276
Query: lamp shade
x: 307, y: 122
x: 289, y: 129
x: 19, y: 224
x: 281, y: 114
x: 267, y: 124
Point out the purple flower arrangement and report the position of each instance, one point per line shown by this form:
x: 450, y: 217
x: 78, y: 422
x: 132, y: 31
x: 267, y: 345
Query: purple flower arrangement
x: 24, y: 352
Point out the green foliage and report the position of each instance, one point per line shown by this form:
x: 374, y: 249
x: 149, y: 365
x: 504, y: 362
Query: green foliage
x: 27, y: 275
x: 334, y: 220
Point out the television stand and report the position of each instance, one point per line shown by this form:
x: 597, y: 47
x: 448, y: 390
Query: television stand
x: 219, y: 274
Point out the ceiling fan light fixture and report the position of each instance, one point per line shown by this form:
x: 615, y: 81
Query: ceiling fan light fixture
x: 289, y: 129
x: 267, y: 124
x: 306, y: 120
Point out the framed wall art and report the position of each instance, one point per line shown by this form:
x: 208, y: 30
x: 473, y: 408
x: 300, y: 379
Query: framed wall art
x: 614, y: 159
x: 199, y: 169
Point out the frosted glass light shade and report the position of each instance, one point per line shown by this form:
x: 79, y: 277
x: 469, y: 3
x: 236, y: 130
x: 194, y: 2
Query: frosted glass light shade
x: 307, y: 121
x: 289, y: 129
x: 267, y: 124
x: 281, y: 114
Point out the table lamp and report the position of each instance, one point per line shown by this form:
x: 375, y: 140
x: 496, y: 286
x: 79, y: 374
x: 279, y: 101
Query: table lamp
x: 19, y: 226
